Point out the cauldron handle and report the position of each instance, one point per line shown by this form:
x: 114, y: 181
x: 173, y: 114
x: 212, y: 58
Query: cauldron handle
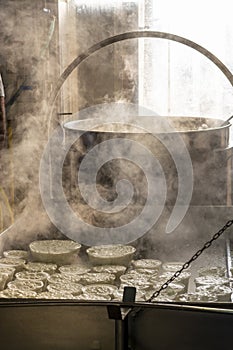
x: 226, y: 121
x: 134, y: 35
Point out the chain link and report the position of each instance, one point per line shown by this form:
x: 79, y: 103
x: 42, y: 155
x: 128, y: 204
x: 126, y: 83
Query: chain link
x: 193, y: 258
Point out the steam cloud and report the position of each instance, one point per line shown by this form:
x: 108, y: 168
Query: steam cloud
x: 30, y: 129
x: 27, y: 44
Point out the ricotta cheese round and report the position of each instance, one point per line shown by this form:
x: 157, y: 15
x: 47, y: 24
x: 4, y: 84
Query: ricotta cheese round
x: 222, y: 292
x: 116, y: 254
x: 211, y: 280
x: 100, y: 289
x: 17, y: 264
x: 9, y: 271
x: 72, y: 288
x: 74, y: 269
x: 14, y: 293
x: 59, y: 252
x: 37, y: 266
x: 18, y: 254
x: 152, y: 264
x: 25, y: 285
x: 62, y: 278
x: 212, y: 271
x: 101, y: 277
x: 28, y: 275
x: 55, y: 295
x: 117, y: 270
x: 93, y: 297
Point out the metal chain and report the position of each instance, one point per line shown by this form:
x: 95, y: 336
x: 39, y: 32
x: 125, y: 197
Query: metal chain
x: 193, y: 258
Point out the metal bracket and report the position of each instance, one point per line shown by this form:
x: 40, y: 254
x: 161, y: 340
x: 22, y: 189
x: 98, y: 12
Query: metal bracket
x: 120, y: 314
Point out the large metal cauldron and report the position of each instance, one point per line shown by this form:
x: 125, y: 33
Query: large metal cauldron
x: 206, y: 141
x: 211, y: 158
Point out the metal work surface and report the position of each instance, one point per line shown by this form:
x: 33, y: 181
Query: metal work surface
x: 163, y: 329
x: 67, y: 326
x: 50, y: 326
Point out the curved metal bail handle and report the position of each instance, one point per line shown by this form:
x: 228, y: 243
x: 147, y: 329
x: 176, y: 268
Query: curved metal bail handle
x: 226, y: 121
x: 134, y: 35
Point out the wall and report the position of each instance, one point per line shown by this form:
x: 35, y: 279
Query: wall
x: 29, y: 66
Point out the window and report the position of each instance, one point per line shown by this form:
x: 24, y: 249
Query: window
x: 175, y: 79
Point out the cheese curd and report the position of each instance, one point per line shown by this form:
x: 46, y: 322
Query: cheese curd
x: 3, y: 280
x: 55, y: 295
x: 168, y: 293
x: 28, y: 275
x: 178, y: 288
x: 25, y: 285
x: 222, y: 292
x: 93, y: 297
x: 14, y: 293
x: 100, y: 289
x: 9, y: 271
x: 212, y: 271
x: 59, y: 252
x: 116, y: 254
x: 149, y: 273
x: 17, y: 264
x: 211, y: 280
x: 152, y: 264
x: 197, y: 297
x: 74, y: 269
x: 37, y: 266
x: 172, y: 266
x: 62, y: 278
x: 67, y: 287
x: 16, y: 254
x: 117, y: 270
x: 182, y: 278
x: 138, y: 284
x: 135, y: 278
x: 101, y: 277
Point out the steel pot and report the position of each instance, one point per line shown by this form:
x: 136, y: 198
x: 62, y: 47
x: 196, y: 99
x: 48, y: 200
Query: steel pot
x: 206, y: 141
